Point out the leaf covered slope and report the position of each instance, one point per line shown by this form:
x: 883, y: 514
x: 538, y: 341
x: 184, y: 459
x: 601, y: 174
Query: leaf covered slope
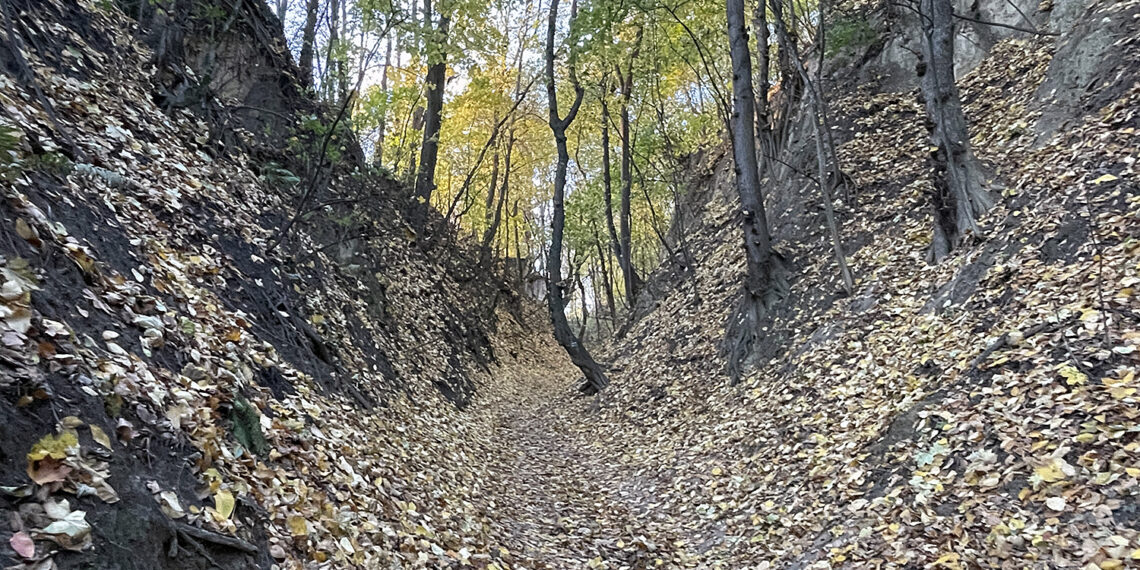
x: 978, y: 413
x: 172, y: 395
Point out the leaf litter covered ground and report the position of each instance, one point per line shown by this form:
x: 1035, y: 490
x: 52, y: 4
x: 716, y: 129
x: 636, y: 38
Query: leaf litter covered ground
x: 981, y: 413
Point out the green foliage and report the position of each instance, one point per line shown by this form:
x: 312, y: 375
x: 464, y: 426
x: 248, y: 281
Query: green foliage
x: 247, y: 426
x: 50, y: 163
x: 276, y: 175
x: 209, y: 12
x: 10, y: 142
x: 848, y: 32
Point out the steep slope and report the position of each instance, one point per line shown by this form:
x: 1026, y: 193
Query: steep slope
x: 175, y: 392
x: 978, y: 413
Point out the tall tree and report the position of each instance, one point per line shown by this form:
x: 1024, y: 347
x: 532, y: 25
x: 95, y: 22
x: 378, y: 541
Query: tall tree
x: 960, y: 190
x: 625, y: 83
x: 282, y: 9
x: 433, y: 118
x: 330, y: 79
x: 607, y: 185
x: 382, y: 129
x: 596, y: 379
x: 764, y: 136
x: 607, y: 285
x: 763, y: 284
x: 308, y: 42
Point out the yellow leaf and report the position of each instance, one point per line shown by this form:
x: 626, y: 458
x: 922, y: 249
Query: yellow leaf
x: 297, y: 526
x: 717, y: 471
x: 1072, y: 376
x: 1111, y: 565
x: 1121, y: 393
x: 1050, y: 473
x: 54, y: 446
x: 948, y: 560
x: 1103, y: 179
x: 224, y: 503
x: 100, y: 436
x: 25, y: 231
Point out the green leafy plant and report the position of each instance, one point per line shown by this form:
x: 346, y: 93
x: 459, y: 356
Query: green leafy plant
x: 277, y: 175
x: 849, y: 32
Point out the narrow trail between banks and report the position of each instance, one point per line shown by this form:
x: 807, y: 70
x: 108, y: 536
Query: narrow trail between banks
x: 561, y: 502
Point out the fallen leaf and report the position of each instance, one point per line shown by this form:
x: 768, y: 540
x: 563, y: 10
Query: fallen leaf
x: 224, y: 503
x: 23, y: 544
x: 100, y: 436
x: 297, y: 526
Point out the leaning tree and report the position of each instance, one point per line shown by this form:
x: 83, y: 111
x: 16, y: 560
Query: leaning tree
x: 595, y: 378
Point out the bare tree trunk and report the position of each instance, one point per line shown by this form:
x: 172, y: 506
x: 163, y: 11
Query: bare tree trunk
x: 433, y: 120
x: 492, y: 188
x: 308, y: 41
x: 607, y: 185
x: 330, y: 80
x: 598, y: 309
x: 607, y: 285
x: 493, y: 227
x: 379, y: 153
x: 342, y: 63
x: 596, y: 379
x: 815, y: 95
x: 762, y: 286
x: 518, y: 244
x: 282, y: 10
x: 585, y: 310
x: 791, y: 87
x: 764, y: 135
x: 960, y: 194
x: 629, y: 273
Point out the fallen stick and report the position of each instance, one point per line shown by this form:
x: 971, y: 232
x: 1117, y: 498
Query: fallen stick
x: 215, y: 538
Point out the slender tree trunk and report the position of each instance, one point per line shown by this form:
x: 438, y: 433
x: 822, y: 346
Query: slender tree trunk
x: 629, y: 272
x: 607, y: 285
x: 492, y: 228
x: 607, y: 184
x: 380, y: 136
x: 330, y: 79
x: 496, y: 219
x: 342, y: 63
x: 764, y: 136
x: 791, y: 86
x: 762, y: 286
x: 282, y: 10
x: 433, y: 120
x: 308, y: 41
x: 585, y: 310
x: 596, y: 379
x: 960, y: 194
x: 519, y: 263
x: 598, y: 309
x: 492, y: 188
x: 815, y: 95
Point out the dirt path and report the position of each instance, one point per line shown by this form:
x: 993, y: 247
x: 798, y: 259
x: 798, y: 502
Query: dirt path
x: 562, y: 505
